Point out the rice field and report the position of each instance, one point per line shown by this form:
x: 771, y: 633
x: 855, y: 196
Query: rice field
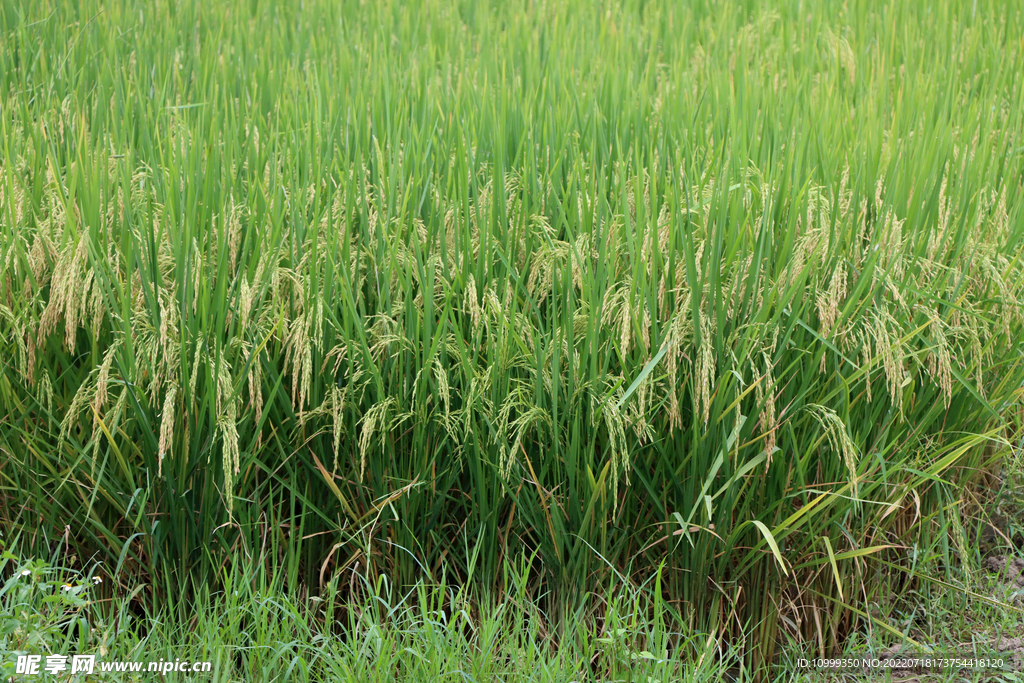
x: 719, y: 301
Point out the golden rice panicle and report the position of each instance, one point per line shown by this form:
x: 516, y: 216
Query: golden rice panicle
x: 298, y: 357
x: 255, y: 382
x: 227, y: 424
x: 245, y: 298
x: 168, y: 341
x: 337, y: 399
x: 679, y: 331
x: 890, y: 348
x: 828, y: 303
x: 443, y: 390
x: 839, y: 439
x: 44, y: 395
x: 103, y: 377
x: 81, y: 399
x: 373, y: 421
x: 617, y: 447
x: 306, y: 369
x: 940, y: 365
x: 65, y: 293
x: 505, y: 456
x: 18, y: 334
x: 625, y: 322
x: 166, y: 428
x: 229, y: 439
x: 225, y: 403
x: 765, y: 396
x: 706, y: 372
x: 41, y: 255
x: 974, y: 331
x: 472, y: 302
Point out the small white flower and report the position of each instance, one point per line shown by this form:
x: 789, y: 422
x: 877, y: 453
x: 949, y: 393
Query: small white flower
x: 25, y: 572
x: 97, y: 580
x: 66, y: 587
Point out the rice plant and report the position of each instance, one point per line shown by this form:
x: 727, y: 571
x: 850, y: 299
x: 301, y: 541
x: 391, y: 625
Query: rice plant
x: 730, y: 289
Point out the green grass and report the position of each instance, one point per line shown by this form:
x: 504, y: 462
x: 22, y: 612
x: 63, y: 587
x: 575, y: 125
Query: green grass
x: 723, y: 293
x: 984, y: 622
x: 253, y: 629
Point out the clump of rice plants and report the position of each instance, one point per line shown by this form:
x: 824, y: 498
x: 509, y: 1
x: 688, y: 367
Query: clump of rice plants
x: 420, y: 287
